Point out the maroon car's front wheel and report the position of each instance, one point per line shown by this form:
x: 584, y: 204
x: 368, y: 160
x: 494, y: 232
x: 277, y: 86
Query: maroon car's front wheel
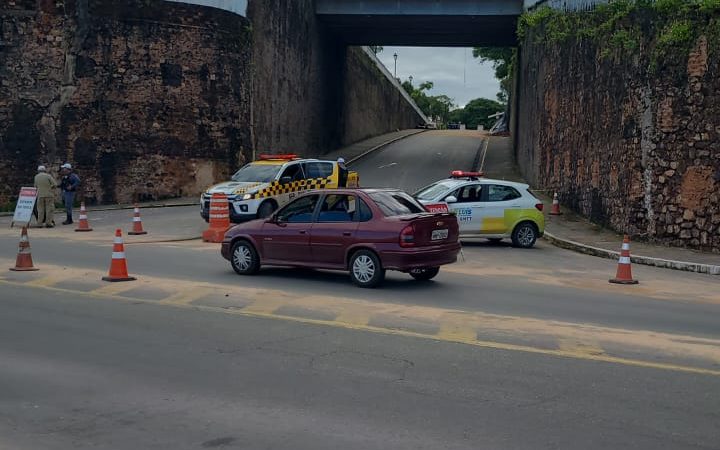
x: 365, y: 269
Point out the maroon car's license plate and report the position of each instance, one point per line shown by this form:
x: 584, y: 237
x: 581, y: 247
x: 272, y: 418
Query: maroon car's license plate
x: 438, y: 235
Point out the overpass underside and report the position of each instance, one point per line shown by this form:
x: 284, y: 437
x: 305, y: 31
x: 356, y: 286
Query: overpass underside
x: 459, y: 23
x: 423, y: 30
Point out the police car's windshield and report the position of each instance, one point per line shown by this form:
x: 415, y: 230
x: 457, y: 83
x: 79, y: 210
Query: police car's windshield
x: 433, y: 191
x: 257, y: 173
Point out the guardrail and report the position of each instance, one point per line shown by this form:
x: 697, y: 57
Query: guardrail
x: 568, y: 5
x: 236, y: 6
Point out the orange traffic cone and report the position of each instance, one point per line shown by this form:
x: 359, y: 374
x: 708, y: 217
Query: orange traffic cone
x: 624, y: 269
x: 24, y: 262
x: 83, y: 225
x: 118, y: 264
x: 137, y: 223
x: 555, y: 210
x: 219, y: 219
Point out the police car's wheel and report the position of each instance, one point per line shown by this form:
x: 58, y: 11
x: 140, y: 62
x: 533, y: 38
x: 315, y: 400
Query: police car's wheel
x: 524, y: 235
x: 424, y: 274
x: 266, y: 209
x: 244, y: 258
x: 365, y: 269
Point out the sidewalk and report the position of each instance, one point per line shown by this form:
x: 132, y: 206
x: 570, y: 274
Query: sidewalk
x: 574, y: 232
x: 356, y: 151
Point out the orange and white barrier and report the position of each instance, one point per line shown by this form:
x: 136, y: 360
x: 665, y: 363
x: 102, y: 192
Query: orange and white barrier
x: 219, y: 219
x: 137, y: 223
x: 624, y: 269
x: 24, y: 262
x: 84, y: 225
x: 555, y: 210
x: 118, y: 264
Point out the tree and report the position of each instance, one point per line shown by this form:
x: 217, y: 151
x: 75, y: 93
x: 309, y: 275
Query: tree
x: 376, y: 49
x: 430, y: 105
x: 503, y: 59
x: 476, y: 113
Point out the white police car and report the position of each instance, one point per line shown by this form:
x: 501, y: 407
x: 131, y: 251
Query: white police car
x: 493, y: 209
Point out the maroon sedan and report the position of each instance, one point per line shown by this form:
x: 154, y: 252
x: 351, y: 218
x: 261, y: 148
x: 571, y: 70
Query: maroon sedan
x: 363, y: 231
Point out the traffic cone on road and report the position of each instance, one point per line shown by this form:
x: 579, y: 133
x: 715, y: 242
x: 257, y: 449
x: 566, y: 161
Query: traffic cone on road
x: 555, y: 210
x: 83, y: 225
x: 118, y: 264
x: 24, y: 262
x: 219, y: 219
x: 624, y: 269
x: 137, y: 223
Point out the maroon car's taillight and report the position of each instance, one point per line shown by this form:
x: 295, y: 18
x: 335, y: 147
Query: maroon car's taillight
x: 539, y: 206
x: 407, y: 236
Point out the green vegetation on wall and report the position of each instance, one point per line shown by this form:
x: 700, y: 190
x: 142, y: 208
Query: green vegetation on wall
x: 664, y: 30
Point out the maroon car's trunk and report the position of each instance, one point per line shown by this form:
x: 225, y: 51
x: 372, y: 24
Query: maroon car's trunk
x: 429, y: 229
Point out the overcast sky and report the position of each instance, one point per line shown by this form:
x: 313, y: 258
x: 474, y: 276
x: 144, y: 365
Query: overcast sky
x: 453, y: 70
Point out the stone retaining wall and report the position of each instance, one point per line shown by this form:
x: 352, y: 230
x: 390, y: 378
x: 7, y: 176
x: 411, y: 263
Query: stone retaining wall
x: 630, y: 149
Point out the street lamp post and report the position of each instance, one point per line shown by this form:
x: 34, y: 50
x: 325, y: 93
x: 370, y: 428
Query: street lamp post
x: 395, y: 56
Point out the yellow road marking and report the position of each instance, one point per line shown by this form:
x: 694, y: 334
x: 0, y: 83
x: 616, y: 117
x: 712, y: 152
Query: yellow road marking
x: 455, y: 330
x: 185, y: 297
x: 265, y: 306
x: 265, y: 309
x: 44, y: 281
x: 584, y: 348
x: 355, y: 317
x: 115, y: 288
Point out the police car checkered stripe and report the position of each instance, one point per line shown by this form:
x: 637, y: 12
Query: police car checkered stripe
x: 276, y: 188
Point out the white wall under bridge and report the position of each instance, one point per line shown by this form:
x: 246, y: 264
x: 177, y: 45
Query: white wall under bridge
x: 236, y: 6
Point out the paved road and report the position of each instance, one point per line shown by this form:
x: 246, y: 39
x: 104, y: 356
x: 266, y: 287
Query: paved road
x: 419, y: 160
x: 508, y: 349
x: 87, y: 374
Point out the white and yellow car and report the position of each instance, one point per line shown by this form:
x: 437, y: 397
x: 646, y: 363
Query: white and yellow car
x: 262, y: 186
x: 493, y: 209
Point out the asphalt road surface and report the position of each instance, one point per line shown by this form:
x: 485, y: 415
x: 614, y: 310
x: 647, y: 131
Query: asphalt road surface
x: 508, y: 349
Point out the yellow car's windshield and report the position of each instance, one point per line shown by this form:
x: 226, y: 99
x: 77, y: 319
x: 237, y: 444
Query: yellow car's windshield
x: 258, y: 173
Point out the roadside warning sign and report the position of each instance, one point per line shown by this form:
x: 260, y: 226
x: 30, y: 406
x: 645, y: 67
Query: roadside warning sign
x: 25, y: 206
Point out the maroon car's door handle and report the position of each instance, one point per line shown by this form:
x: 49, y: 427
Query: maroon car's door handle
x: 347, y: 233
x: 302, y: 231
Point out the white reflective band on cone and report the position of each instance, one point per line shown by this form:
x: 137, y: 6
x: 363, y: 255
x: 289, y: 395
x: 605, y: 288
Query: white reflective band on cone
x: 137, y: 210
x: 83, y: 217
x: 118, y: 255
x: 624, y: 260
x: 118, y: 240
x: 626, y: 246
x: 136, y: 219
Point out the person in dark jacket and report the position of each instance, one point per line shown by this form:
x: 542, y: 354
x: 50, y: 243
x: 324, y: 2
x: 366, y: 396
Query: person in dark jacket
x: 69, y: 184
x: 342, y: 173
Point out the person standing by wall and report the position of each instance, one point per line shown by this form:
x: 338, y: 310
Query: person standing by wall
x: 69, y: 185
x: 45, y: 185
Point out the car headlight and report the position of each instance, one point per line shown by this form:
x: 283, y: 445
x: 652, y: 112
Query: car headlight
x: 247, y: 196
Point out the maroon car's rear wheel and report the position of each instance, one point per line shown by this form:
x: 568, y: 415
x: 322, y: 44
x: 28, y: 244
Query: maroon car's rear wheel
x: 244, y: 258
x: 365, y: 269
x: 425, y: 273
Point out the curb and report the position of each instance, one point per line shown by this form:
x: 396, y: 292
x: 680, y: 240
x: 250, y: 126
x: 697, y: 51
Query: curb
x: 567, y: 244
x: 121, y: 207
x: 384, y: 144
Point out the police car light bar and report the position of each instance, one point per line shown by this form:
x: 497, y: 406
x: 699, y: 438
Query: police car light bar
x: 288, y: 156
x: 464, y: 174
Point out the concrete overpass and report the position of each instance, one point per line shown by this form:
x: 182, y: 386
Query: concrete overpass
x: 422, y: 22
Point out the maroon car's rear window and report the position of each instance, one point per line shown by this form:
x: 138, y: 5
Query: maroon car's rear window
x: 396, y: 203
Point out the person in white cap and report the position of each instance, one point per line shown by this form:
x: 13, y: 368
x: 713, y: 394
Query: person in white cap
x: 342, y: 173
x: 69, y: 185
x: 45, y: 185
